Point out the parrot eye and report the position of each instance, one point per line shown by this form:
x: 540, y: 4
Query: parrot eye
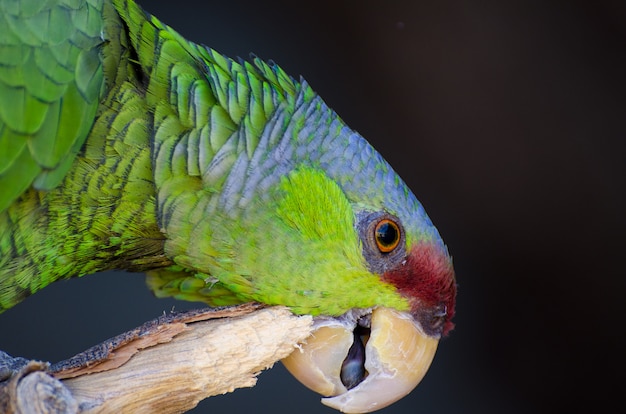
x: 387, y: 235
x: 383, y: 240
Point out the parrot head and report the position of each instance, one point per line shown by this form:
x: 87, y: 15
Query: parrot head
x: 400, y: 295
x: 310, y: 216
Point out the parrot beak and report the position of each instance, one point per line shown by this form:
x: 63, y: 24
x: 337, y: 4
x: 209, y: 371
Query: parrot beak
x: 363, y: 370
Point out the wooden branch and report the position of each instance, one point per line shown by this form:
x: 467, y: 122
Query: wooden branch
x: 167, y: 365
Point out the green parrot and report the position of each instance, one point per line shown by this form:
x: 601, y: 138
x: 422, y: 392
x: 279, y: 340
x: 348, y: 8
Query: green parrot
x: 125, y: 146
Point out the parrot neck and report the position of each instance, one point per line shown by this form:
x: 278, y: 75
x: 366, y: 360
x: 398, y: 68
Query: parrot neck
x: 101, y: 217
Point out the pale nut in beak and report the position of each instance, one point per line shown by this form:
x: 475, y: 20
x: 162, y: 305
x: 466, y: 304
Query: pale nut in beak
x: 397, y: 356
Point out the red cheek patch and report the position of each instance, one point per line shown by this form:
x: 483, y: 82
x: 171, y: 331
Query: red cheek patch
x: 427, y: 279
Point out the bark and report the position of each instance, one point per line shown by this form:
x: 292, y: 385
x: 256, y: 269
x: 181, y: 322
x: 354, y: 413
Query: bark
x: 167, y: 365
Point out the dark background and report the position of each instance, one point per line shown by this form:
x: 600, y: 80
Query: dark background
x: 507, y: 121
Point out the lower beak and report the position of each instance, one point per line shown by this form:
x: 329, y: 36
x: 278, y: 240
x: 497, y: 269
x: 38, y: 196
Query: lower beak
x: 397, y: 355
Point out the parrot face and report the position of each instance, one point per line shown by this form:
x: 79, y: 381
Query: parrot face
x: 315, y: 219
x: 373, y: 355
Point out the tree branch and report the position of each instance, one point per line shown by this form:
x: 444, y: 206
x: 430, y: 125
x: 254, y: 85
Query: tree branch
x: 167, y: 365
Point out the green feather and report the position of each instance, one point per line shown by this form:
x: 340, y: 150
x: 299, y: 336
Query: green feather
x: 50, y: 83
x: 124, y: 146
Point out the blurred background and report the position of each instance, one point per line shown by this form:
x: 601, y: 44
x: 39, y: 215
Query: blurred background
x: 507, y: 120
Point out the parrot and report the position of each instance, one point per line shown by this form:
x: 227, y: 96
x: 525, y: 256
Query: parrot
x: 226, y: 181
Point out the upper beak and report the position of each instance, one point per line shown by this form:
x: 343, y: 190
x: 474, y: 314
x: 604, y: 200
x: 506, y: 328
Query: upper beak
x: 397, y: 355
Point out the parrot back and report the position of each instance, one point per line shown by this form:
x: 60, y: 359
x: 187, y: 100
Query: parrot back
x: 51, y: 79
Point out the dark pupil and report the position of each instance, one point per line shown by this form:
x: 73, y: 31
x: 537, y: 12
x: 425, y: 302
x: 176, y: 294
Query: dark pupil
x: 386, y: 234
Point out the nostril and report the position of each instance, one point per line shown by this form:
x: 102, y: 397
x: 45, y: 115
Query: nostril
x: 441, y: 311
x: 438, y: 317
x: 432, y: 319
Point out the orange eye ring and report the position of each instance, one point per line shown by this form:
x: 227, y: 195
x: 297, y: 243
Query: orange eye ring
x: 387, y: 235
